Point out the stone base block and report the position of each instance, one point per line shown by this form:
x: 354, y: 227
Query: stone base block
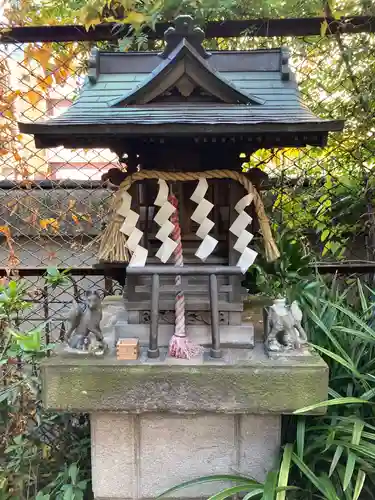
x: 242, y: 381
x: 140, y: 456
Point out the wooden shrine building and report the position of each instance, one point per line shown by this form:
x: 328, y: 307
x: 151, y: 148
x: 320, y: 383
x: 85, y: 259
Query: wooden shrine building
x: 189, y: 111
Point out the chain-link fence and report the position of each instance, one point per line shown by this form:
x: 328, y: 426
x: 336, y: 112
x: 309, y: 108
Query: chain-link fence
x: 53, y: 205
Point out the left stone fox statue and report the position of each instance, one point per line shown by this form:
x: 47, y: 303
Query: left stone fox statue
x: 83, y: 319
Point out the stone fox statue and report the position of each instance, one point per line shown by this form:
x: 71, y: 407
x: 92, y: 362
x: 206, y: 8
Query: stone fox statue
x: 284, y: 327
x: 84, y: 319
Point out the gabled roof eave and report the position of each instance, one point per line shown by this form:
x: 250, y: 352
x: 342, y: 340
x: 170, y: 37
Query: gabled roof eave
x: 185, y: 50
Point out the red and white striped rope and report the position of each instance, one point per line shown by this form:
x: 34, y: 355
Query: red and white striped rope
x: 178, y: 261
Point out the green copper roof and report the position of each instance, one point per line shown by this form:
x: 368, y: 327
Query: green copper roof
x: 222, y: 92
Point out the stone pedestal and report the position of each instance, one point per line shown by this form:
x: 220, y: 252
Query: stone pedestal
x: 157, y: 423
x: 140, y: 456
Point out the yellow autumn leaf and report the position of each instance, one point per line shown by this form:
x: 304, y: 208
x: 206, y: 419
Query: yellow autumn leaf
x: 5, y: 231
x: 4, y: 106
x: 55, y: 226
x: 28, y: 54
x: 45, y: 83
x: 71, y: 204
x: 32, y: 97
x: 134, y: 17
x: 323, y: 28
x: 24, y: 172
x: 16, y: 156
x: 42, y: 55
x: 46, y: 451
x: 89, y: 23
x: 90, y: 16
x: 10, y: 97
x: 60, y: 75
x: 44, y: 223
x: 8, y: 114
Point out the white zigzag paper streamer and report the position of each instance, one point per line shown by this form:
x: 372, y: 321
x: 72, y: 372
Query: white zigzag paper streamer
x: 205, y: 224
x: 238, y: 228
x: 166, y: 226
x: 139, y: 253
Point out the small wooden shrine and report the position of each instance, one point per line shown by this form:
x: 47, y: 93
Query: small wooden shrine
x: 180, y: 120
x: 181, y: 227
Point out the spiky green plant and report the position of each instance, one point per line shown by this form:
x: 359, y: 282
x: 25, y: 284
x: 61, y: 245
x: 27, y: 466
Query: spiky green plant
x: 331, y: 456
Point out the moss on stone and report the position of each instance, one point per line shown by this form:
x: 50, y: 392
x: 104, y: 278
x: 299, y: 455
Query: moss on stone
x: 257, y: 385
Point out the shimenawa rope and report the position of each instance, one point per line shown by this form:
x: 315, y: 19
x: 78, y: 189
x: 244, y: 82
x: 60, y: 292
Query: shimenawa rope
x: 112, y: 244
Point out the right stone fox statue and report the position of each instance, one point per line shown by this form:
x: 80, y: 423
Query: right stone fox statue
x: 84, y: 319
x: 285, y: 331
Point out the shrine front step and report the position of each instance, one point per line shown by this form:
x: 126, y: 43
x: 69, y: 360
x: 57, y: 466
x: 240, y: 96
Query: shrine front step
x: 241, y: 336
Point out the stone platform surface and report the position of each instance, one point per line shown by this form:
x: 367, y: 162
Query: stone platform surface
x: 244, y: 381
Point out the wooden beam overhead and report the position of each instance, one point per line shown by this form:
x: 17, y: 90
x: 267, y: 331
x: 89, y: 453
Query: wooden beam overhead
x: 308, y: 26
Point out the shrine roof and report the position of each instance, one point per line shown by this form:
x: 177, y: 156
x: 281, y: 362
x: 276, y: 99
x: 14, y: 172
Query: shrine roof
x: 184, y: 90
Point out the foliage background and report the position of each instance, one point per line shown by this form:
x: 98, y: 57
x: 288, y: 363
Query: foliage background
x: 325, y: 194
x: 325, y: 197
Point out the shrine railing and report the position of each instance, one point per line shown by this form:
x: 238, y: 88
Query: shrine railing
x: 211, y: 271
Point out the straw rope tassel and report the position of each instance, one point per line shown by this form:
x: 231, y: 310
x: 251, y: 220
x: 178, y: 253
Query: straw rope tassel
x: 113, y: 241
x: 180, y: 346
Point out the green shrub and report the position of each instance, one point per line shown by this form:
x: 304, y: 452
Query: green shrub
x: 44, y: 456
x: 331, y: 456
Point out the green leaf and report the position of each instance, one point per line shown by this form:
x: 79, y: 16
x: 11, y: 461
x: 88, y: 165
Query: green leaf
x: 330, y: 402
x: 82, y: 485
x: 349, y: 469
x: 30, y: 342
x: 357, y: 431
x: 350, y: 463
x: 354, y: 332
x: 42, y: 496
x: 368, y: 394
x: 78, y: 494
x: 254, y: 493
x: 361, y: 476
x: 69, y: 493
x: 325, y: 235
x: 73, y: 472
x: 229, y: 492
x: 52, y: 271
x: 362, y: 297
x: 309, y: 474
x: 348, y: 364
x: 336, y: 458
x: 328, y: 333
x: 209, y: 479
x: 328, y: 486
x: 355, y: 319
x: 301, y: 428
x: 270, y: 486
x: 284, y: 470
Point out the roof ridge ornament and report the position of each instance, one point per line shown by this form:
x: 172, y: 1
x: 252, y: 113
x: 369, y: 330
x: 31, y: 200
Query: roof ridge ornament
x: 284, y: 64
x: 93, y: 69
x: 184, y: 28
